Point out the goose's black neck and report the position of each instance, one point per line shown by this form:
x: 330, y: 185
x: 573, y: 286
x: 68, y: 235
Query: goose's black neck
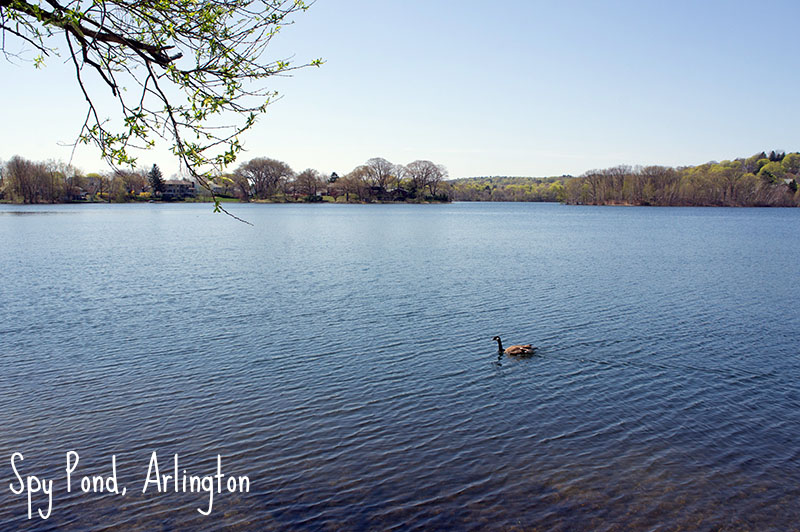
x: 499, y: 344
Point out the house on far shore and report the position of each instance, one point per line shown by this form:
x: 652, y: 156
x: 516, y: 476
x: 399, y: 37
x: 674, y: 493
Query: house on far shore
x: 76, y: 194
x: 178, y: 189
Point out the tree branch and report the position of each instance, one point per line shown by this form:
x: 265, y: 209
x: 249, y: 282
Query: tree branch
x: 221, y: 43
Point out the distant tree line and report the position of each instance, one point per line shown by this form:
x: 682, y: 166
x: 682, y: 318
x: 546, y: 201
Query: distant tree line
x: 265, y: 179
x: 260, y: 179
x: 25, y: 181
x: 760, y: 180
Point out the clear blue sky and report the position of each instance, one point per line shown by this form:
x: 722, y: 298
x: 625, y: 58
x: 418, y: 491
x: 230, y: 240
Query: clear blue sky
x: 522, y: 87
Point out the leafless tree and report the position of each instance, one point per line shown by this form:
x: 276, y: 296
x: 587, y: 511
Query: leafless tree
x: 425, y: 174
x: 356, y: 182
x: 266, y: 175
x: 594, y: 179
x: 380, y: 172
x: 399, y: 174
x: 21, y: 179
x: 418, y: 173
x: 242, y: 186
x: 308, y: 182
x: 437, y: 178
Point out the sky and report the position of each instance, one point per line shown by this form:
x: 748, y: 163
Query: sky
x: 516, y: 88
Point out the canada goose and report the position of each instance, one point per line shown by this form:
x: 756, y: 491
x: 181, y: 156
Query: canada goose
x: 514, y: 349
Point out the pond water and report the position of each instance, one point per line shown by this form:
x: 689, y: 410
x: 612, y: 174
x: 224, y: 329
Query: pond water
x: 341, y: 358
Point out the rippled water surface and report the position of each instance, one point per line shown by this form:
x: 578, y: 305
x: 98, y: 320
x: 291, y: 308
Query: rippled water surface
x: 341, y: 358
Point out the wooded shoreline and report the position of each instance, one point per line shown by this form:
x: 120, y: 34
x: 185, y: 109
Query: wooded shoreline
x: 762, y: 180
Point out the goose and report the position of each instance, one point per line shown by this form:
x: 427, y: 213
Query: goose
x: 514, y: 349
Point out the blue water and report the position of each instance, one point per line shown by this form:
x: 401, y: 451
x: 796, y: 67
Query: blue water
x: 340, y: 356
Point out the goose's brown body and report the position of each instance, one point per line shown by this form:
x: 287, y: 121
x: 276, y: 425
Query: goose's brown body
x: 525, y: 349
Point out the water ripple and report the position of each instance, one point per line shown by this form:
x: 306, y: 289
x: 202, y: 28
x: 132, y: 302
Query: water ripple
x: 341, y: 357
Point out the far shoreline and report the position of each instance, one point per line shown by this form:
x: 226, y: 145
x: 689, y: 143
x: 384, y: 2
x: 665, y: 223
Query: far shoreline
x: 229, y: 201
